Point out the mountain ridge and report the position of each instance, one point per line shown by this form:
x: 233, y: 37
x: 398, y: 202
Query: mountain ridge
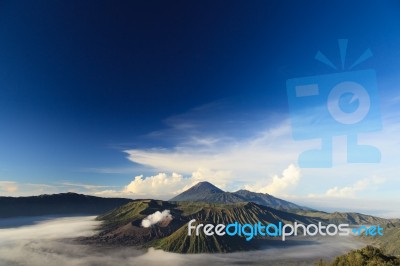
x: 207, y: 192
x: 57, y: 204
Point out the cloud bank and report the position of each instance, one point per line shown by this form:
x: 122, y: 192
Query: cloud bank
x: 350, y: 191
x: 165, y: 186
x: 50, y: 243
x: 8, y: 186
x: 247, y: 160
x: 252, y: 151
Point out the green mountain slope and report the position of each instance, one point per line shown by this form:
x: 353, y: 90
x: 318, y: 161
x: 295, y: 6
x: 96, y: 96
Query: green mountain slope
x: 180, y: 242
x: 368, y: 256
x: 390, y: 241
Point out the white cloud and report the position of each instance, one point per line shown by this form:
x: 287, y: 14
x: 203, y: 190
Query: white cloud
x: 84, y: 186
x: 267, y: 147
x: 8, y: 186
x: 159, y: 184
x: 350, y: 191
x: 112, y: 170
x: 165, y: 186
x: 279, y: 184
x: 233, y: 150
x: 247, y: 160
x: 361, y: 203
x: 108, y: 193
x: 12, y: 188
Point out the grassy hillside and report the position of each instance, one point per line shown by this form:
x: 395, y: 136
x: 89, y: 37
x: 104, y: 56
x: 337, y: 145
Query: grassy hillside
x: 390, y: 241
x: 180, y: 242
x: 132, y: 211
x: 368, y: 256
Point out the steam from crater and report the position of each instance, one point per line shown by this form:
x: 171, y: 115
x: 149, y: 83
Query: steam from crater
x: 156, y: 218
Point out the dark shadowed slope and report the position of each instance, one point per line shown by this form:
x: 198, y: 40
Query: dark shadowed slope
x: 57, y: 204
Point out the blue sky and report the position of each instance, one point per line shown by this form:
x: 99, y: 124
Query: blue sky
x: 95, y: 93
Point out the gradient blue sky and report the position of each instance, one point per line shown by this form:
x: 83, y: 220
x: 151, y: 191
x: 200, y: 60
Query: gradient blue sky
x: 96, y: 93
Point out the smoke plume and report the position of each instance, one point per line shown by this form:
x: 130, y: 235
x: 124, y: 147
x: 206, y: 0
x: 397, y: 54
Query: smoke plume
x: 156, y: 218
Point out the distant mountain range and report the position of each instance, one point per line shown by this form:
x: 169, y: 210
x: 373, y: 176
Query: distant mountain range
x: 57, y: 204
x: 203, y: 202
x: 208, y: 204
x: 73, y: 203
x: 207, y: 192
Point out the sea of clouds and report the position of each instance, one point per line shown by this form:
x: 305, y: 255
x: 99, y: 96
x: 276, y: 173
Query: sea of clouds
x: 42, y: 241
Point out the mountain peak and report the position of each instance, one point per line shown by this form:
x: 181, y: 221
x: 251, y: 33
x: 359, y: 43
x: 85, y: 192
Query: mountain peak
x: 198, y: 192
x: 206, y: 186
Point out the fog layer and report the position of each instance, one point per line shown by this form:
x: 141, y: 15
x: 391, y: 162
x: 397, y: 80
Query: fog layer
x: 43, y: 242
